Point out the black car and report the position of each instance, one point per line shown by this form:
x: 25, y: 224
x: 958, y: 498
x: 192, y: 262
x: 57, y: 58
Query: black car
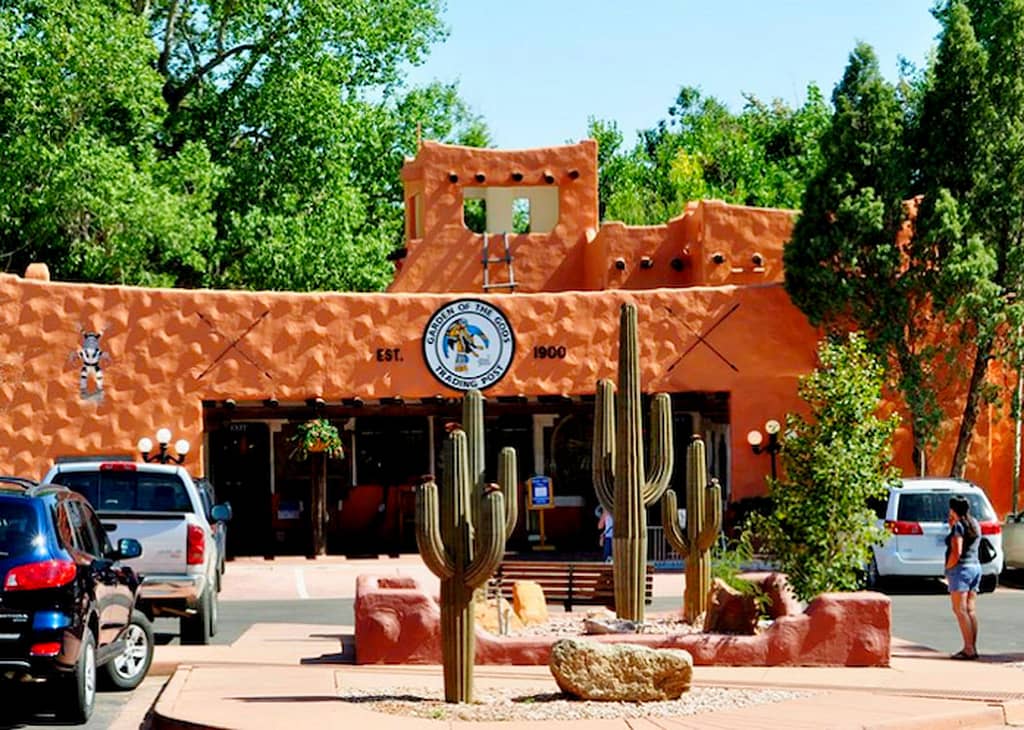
x: 67, y: 604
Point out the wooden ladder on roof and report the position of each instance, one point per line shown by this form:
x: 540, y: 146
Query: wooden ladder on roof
x: 510, y: 284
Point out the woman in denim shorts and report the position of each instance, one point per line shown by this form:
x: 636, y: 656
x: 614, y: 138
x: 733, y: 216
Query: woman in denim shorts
x: 963, y: 573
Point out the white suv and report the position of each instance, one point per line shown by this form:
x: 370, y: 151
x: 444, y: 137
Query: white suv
x: 916, y: 516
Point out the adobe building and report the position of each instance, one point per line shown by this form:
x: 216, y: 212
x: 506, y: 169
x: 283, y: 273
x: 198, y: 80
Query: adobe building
x: 507, y: 282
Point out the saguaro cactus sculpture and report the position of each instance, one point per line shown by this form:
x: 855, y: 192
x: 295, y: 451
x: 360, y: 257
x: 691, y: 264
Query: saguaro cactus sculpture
x: 703, y: 522
x: 508, y: 479
x: 618, y: 466
x: 461, y: 556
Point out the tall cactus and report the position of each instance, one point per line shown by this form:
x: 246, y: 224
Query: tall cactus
x: 703, y: 522
x: 461, y: 555
x: 508, y: 475
x: 618, y: 466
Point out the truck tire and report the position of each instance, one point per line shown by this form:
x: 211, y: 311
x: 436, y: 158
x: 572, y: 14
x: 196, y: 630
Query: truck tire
x: 199, y: 629
x: 988, y: 583
x: 77, y: 696
x: 126, y: 671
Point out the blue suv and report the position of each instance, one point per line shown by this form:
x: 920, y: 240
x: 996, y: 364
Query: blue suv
x: 67, y: 603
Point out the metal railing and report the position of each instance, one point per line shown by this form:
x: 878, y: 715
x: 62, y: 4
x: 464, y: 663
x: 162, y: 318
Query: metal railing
x: 658, y: 549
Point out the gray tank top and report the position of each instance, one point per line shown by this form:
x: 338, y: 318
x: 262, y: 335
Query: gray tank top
x: 969, y: 555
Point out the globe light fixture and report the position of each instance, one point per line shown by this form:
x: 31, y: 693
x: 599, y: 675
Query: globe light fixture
x: 773, y: 446
x: 163, y: 455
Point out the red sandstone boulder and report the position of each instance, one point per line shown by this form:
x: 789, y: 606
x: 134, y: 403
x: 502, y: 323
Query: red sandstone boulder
x: 780, y: 599
x: 729, y: 610
x: 397, y: 622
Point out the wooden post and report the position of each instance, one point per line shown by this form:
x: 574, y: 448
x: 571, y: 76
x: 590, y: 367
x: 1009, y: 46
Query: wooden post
x: 318, y: 503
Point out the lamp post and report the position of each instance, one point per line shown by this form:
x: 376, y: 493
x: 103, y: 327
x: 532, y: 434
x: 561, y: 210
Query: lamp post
x: 163, y: 456
x: 756, y: 440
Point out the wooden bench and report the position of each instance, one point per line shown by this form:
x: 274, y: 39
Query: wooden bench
x: 568, y: 583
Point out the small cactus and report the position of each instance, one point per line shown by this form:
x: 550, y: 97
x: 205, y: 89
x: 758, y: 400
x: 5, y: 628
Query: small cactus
x: 460, y: 553
x: 703, y: 523
x: 618, y: 466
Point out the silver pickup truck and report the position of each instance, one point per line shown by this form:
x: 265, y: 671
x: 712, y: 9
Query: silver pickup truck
x: 160, y: 506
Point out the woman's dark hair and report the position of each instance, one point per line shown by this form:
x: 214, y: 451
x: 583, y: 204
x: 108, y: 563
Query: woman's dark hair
x: 962, y: 508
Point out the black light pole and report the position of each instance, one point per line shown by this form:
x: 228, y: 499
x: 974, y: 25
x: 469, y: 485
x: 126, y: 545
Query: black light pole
x: 756, y: 440
x: 163, y: 456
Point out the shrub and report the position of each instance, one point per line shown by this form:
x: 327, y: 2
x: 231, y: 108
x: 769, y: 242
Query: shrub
x: 833, y: 463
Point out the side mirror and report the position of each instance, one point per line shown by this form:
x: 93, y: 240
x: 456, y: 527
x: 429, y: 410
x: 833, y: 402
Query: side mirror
x: 128, y: 548
x: 221, y: 512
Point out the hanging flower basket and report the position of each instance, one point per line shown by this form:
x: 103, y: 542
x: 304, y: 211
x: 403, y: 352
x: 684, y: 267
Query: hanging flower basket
x: 317, y: 436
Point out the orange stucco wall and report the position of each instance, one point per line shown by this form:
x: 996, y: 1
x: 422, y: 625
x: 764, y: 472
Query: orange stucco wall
x: 161, y: 342
x: 169, y: 350
x: 579, y: 253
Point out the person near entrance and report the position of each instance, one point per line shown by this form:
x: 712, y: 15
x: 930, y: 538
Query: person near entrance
x: 605, y: 526
x: 963, y: 573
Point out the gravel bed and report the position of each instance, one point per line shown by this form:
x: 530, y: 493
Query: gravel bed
x: 520, y: 704
x: 565, y: 625
x: 573, y: 625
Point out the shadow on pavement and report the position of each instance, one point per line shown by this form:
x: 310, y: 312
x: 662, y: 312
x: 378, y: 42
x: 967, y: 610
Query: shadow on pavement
x: 347, y: 655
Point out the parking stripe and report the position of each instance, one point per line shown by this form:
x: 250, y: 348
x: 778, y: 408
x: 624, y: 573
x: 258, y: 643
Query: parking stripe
x: 300, y: 584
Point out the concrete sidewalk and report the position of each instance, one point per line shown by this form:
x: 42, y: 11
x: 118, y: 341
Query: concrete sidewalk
x: 277, y: 675
x: 277, y: 672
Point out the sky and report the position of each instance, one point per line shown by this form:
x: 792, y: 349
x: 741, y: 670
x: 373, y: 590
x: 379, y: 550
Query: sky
x: 537, y: 69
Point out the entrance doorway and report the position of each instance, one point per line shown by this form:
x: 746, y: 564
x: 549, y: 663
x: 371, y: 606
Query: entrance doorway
x: 240, y: 470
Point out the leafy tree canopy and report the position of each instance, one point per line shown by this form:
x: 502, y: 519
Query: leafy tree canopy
x: 954, y: 141
x: 762, y: 156
x: 218, y: 144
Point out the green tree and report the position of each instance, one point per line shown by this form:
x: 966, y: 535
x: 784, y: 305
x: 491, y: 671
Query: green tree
x: 762, y: 156
x: 971, y: 146
x: 81, y: 185
x: 200, y: 143
x: 834, y: 463
x: 955, y: 142
x: 845, y: 266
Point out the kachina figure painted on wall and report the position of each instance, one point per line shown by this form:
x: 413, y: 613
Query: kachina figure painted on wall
x: 91, y: 355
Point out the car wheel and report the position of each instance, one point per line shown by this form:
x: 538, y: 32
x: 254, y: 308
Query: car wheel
x: 198, y: 629
x: 988, y: 583
x: 127, y: 670
x: 78, y: 696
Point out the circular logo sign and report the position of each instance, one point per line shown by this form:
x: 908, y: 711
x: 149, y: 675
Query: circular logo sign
x: 468, y: 344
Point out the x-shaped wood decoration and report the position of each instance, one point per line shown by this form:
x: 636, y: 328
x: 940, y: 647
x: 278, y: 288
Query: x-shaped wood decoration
x: 233, y: 345
x: 702, y: 340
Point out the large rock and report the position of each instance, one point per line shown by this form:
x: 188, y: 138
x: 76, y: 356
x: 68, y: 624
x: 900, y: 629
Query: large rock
x: 729, y: 610
x: 528, y: 602
x: 620, y: 672
x: 486, y: 612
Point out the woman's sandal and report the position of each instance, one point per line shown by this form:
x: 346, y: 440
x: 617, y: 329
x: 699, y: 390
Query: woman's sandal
x: 964, y: 656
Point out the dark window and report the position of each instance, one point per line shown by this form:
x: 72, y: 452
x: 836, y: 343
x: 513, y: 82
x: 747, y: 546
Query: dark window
x: 129, y: 491
x: 18, y: 528
x: 934, y: 507
x: 84, y: 482
x: 391, y: 450
x: 92, y: 522
x: 85, y: 540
